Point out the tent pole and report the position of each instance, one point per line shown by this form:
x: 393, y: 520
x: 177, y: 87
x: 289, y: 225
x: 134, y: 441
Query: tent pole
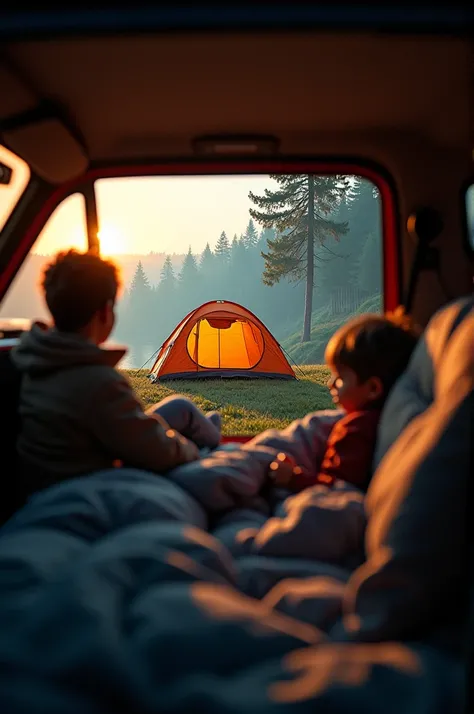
x: 196, y: 347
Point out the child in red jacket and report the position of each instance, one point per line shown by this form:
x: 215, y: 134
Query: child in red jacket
x: 366, y: 357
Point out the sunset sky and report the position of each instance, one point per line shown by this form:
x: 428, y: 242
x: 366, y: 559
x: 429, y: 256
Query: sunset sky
x: 140, y: 215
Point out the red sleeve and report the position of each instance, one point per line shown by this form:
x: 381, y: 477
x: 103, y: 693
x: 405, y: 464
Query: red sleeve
x: 350, y: 449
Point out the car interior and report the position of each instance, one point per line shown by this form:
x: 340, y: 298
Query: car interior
x: 390, y: 98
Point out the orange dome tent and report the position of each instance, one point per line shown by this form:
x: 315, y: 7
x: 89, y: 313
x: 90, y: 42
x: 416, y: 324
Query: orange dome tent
x: 221, y: 339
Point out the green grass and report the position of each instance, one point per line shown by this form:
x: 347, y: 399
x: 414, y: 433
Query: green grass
x: 247, y: 406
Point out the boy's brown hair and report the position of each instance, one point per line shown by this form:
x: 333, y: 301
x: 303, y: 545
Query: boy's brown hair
x: 374, y: 346
x: 77, y: 285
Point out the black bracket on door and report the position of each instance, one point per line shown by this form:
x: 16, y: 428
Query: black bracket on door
x: 425, y: 225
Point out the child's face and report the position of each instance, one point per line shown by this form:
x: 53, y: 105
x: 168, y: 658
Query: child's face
x: 349, y: 392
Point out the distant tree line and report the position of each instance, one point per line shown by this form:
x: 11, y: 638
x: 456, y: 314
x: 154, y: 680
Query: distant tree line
x: 318, y: 234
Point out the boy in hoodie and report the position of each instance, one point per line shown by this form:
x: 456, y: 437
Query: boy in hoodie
x: 78, y: 413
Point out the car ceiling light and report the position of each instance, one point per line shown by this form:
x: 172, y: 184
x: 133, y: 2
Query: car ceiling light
x: 235, y: 145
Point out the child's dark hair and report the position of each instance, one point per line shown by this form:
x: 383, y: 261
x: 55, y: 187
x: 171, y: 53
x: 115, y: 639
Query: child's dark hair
x: 77, y: 285
x: 374, y: 346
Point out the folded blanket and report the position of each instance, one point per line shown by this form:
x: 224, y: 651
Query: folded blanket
x: 318, y: 524
x: 102, y: 613
x: 233, y: 477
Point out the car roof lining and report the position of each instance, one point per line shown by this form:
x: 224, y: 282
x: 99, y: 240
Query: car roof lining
x: 128, y: 106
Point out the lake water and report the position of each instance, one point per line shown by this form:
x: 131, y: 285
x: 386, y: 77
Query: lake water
x: 137, y: 356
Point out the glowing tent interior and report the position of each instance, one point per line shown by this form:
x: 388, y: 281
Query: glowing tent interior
x: 221, y: 339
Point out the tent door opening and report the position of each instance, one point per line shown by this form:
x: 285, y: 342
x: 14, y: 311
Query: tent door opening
x: 225, y: 343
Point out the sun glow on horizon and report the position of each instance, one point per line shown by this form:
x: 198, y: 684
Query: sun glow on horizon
x: 112, y: 240
x: 147, y: 214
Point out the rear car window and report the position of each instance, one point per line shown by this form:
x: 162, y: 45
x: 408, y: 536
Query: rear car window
x: 181, y: 241
x: 14, y: 177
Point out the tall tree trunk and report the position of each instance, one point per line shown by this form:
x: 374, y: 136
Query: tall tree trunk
x: 308, y: 302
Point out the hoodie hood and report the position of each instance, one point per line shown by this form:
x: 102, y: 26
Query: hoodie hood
x: 44, y: 349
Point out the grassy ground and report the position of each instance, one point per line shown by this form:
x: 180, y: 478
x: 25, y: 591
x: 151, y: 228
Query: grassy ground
x: 247, y: 406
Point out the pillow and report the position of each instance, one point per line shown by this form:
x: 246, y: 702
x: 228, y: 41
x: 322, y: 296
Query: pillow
x: 414, y: 575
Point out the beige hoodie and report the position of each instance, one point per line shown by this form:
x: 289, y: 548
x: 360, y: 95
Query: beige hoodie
x: 80, y: 415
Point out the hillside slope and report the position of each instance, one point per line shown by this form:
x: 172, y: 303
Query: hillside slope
x: 323, y: 327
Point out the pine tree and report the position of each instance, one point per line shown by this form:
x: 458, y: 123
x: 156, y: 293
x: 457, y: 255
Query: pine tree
x: 206, y: 275
x: 136, y: 306
x: 167, y: 312
x: 361, y: 210
x: 207, y: 261
x: 370, y: 265
x: 234, y: 248
x: 300, y: 210
x: 237, y: 251
x: 266, y: 235
x: 188, y: 283
x: 250, y: 237
x: 140, y: 281
x: 167, y: 282
x: 222, y: 249
x: 189, y: 269
x: 140, y: 288
x: 238, y: 288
